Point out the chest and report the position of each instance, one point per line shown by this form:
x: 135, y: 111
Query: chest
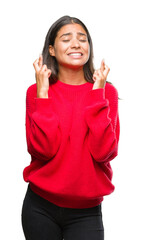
x: 70, y: 112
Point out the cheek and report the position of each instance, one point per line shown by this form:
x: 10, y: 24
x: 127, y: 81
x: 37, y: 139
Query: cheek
x: 61, y: 47
x: 87, y: 50
x: 59, y: 51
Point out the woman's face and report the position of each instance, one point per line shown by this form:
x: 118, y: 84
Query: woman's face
x: 71, y: 48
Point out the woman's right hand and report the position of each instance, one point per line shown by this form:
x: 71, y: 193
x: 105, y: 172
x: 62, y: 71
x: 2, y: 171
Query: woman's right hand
x: 42, y: 77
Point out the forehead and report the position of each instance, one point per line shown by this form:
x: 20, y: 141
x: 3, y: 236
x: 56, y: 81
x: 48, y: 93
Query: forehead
x: 71, y: 28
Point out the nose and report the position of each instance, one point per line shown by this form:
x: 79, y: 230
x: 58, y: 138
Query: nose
x: 75, y: 43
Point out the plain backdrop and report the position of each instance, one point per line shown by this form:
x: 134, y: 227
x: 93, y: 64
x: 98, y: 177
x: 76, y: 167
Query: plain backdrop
x: 115, y: 29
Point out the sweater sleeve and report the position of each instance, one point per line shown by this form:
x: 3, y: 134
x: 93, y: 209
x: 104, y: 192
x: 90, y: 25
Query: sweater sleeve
x: 101, y: 115
x: 42, y: 127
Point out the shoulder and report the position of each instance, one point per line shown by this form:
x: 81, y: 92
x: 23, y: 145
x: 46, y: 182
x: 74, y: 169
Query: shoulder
x: 31, y: 91
x: 31, y: 94
x: 110, y: 91
x: 32, y: 88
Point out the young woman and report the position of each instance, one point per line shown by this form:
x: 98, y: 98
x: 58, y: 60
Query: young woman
x: 72, y: 130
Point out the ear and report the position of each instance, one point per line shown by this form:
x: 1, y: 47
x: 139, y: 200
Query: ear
x: 51, y: 50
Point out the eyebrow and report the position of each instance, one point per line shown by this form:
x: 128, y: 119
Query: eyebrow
x: 69, y: 33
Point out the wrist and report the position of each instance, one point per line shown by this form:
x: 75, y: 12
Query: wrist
x: 42, y: 94
x: 98, y: 85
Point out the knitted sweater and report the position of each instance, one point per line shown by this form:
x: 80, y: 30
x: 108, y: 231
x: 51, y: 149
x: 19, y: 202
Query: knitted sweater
x: 72, y: 136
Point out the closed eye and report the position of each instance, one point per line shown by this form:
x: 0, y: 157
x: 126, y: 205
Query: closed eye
x: 82, y: 40
x: 66, y: 40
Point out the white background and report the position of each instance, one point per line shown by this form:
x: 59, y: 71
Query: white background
x: 115, y: 30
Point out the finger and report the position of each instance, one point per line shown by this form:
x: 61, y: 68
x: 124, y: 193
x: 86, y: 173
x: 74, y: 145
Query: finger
x: 97, y: 78
x: 40, y: 61
x: 43, y: 69
x: 100, y: 73
x: 36, y: 66
x: 94, y: 78
x: 106, y: 71
x: 49, y: 73
x: 102, y: 67
x: 96, y: 72
x: 94, y: 75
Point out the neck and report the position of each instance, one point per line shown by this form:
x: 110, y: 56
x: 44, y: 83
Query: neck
x: 71, y: 76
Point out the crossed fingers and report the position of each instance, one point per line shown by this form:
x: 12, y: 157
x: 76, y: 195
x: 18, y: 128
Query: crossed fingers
x: 101, y: 74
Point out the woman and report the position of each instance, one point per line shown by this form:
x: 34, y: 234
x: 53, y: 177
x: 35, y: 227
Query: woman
x: 72, y: 130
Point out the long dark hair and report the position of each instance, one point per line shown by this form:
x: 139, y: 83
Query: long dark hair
x: 51, y: 62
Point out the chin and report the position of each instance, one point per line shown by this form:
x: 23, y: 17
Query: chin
x: 75, y: 65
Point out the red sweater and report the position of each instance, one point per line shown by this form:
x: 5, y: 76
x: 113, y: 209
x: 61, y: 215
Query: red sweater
x: 72, y: 136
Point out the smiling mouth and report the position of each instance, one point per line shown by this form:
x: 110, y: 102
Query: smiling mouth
x: 75, y: 54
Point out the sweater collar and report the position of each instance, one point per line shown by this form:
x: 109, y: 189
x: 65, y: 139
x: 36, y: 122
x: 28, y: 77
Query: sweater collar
x: 73, y: 87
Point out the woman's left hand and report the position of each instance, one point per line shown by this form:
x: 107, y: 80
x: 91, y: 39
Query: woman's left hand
x: 100, y: 76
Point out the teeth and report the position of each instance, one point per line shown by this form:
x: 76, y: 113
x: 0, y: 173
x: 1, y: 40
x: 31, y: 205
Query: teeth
x: 75, y: 54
